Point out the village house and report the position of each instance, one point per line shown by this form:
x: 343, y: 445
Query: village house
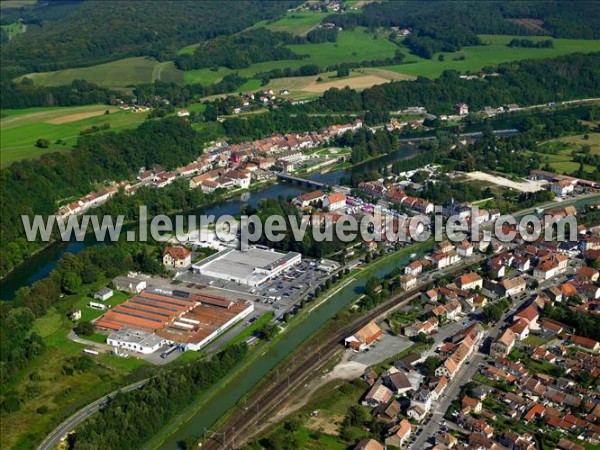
x: 177, y: 257
x: 504, y: 344
x: 335, y: 201
x: 377, y: 395
x: 550, y: 266
x: 464, y: 249
x: 399, y: 434
x: 309, y: 198
x: 470, y: 281
x: 415, y: 268
x: 529, y: 315
x: 408, y: 282
x: 513, y: 286
x: 562, y: 188
x: 364, y: 337
x: 369, y: 444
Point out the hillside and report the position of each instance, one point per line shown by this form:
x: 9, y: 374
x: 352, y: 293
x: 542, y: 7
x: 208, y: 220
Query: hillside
x: 119, y: 29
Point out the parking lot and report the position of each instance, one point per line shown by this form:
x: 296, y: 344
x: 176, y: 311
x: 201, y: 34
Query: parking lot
x: 280, y: 295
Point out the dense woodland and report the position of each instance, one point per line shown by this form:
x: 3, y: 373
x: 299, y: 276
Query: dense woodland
x: 24, y: 94
x: 119, y: 29
x: 132, y: 418
x: 241, y: 50
x: 450, y: 25
x: 35, y: 186
x: 524, y: 83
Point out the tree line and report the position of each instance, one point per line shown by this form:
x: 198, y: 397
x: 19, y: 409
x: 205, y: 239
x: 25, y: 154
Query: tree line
x: 33, y: 187
x: 133, y: 418
x: 523, y: 82
x: 241, y: 50
x: 156, y: 29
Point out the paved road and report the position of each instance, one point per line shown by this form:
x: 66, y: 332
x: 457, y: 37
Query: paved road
x: 463, y: 376
x: 59, y: 433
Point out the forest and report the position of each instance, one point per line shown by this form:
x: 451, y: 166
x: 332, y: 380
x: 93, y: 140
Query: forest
x: 35, y: 186
x: 527, y: 82
x: 132, y: 418
x: 55, y: 31
x: 241, y: 50
x: 25, y: 94
x: 453, y: 22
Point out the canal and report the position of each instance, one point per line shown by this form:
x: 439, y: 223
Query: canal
x: 40, y: 265
x: 227, y: 398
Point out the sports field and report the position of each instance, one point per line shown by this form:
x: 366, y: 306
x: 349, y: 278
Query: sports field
x: 118, y: 74
x: 23, y: 127
x: 494, y: 52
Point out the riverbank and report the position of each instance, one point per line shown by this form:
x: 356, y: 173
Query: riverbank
x: 254, y: 374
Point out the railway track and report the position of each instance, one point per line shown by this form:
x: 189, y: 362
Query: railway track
x: 298, y: 371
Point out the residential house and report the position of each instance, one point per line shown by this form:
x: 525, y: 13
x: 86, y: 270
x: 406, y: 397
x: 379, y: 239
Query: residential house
x: 177, y: 257
x: 334, y: 201
x: 398, y: 382
x: 309, y: 198
x: 364, y: 337
x: 471, y: 405
x: 587, y: 274
x: 399, y: 434
x: 504, y: 344
x: 415, y: 268
x: 550, y: 266
x: 513, y: 286
x: 464, y: 249
x: 369, y: 444
x: 529, y: 315
x: 470, y: 281
x: 521, y: 329
x: 408, y: 282
x: 377, y: 395
x: 562, y: 188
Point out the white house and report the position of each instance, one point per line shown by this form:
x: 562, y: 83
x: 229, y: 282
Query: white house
x: 562, y: 188
x: 177, y: 257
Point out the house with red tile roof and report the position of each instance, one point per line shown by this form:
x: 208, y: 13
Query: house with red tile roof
x: 470, y: 281
x: 504, y: 344
x: 177, y: 257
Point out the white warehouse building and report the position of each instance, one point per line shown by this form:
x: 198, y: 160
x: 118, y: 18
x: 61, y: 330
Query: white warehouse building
x: 252, y: 267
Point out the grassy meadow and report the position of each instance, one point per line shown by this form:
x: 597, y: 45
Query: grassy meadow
x: 118, y: 74
x: 494, y: 52
x: 558, y: 151
x: 20, y: 129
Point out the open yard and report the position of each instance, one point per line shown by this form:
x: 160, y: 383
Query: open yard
x: 20, y: 129
x: 523, y: 185
x: 494, y: 52
x: 118, y: 74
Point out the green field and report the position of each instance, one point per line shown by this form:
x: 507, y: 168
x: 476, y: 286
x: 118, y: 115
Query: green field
x: 353, y: 45
x: 295, y: 22
x: 494, y: 52
x: 118, y: 74
x: 21, y: 128
x: 558, y: 152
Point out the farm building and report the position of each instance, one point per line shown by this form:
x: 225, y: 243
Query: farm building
x: 364, y: 337
x: 103, y: 294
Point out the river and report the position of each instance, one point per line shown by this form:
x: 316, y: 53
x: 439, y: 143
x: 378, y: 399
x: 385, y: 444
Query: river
x: 42, y: 263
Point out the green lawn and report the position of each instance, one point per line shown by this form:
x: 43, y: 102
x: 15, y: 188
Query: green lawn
x: 494, y: 52
x: 20, y: 130
x: 118, y: 74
